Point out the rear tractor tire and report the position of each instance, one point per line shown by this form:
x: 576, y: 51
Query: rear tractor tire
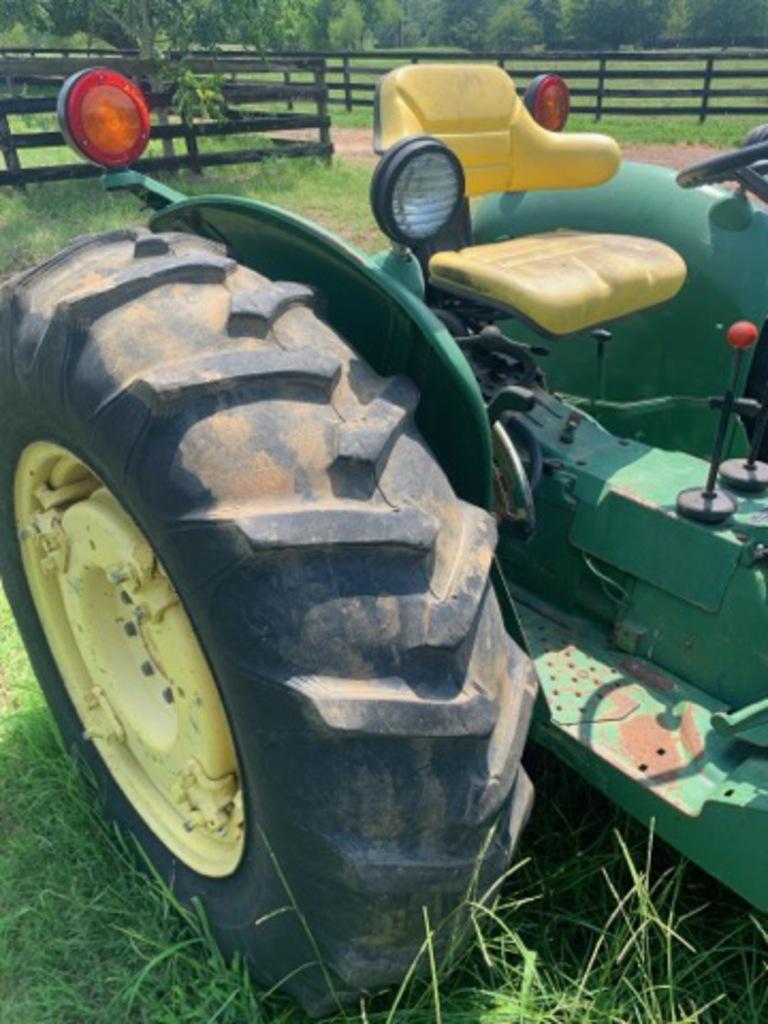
x: 257, y: 610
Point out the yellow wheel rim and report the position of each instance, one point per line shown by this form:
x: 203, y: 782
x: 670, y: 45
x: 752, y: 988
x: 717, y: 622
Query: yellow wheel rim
x: 129, y: 658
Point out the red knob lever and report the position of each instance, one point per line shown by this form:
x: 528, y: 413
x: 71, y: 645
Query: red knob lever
x: 709, y: 504
x: 742, y: 334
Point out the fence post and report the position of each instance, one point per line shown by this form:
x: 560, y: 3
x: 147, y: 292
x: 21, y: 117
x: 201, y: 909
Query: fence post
x: 708, y: 69
x: 502, y: 63
x: 190, y: 138
x: 347, y: 83
x: 9, y: 152
x: 600, y: 89
x: 322, y: 106
x: 287, y: 81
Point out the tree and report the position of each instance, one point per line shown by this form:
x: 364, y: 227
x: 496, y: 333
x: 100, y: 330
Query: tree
x: 610, y: 23
x: 422, y: 22
x: 346, y: 31
x: 714, y: 21
x: 152, y: 25
x: 549, y: 16
x: 512, y: 24
x: 464, y: 25
x: 678, y: 20
x: 382, y: 18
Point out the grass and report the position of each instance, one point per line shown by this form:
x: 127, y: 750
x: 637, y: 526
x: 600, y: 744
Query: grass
x: 596, y: 925
x: 46, y: 218
x: 722, y: 132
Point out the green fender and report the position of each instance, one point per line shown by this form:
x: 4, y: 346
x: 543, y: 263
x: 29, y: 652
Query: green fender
x: 374, y: 305
x: 672, y: 350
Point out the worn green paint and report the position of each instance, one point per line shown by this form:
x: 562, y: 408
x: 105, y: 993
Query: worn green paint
x: 643, y: 625
x: 404, y: 268
x: 154, y: 193
x: 647, y: 630
x: 675, y: 349
x: 645, y: 739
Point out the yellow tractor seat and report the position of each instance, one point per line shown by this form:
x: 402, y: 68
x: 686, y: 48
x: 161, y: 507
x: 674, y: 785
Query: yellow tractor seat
x: 563, y: 282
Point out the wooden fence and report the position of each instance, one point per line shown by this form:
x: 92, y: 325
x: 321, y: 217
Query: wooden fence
x: 627, y: 83
x: 297, y: 88
x: 253, y: 83
x: 637, y: 83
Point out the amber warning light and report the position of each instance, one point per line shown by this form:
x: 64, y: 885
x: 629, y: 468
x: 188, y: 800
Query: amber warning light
x: 548, y: 98
x: 104, y: 117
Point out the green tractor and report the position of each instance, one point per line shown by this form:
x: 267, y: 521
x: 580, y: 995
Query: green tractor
x: 301, y: 542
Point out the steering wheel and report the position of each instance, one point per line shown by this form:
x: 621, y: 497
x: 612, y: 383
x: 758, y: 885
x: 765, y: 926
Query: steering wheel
x: 745, y: 166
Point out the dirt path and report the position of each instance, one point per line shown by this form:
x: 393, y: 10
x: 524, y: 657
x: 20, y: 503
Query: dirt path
x: 355, y: 144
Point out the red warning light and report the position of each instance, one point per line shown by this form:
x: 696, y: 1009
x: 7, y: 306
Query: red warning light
x: 104, y: 116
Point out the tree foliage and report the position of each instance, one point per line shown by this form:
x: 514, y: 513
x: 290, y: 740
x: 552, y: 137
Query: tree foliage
x: 715, y: 20
x: 154, y: 25
x: 151, y: 25
x: 346, y: 30
x: 616, y: 22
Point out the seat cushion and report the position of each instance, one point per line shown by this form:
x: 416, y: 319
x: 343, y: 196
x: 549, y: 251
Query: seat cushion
x: 564, y: 281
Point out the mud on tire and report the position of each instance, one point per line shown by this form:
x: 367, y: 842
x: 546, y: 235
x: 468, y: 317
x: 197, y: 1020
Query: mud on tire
x: 338, y: 587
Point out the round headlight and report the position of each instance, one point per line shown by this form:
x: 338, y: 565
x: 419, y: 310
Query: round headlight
x: 417, y: 190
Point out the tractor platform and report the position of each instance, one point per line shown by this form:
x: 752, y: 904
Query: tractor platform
x: 645, y: 738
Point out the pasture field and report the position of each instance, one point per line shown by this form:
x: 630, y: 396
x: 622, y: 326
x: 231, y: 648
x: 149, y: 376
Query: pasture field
x: 597, y: 923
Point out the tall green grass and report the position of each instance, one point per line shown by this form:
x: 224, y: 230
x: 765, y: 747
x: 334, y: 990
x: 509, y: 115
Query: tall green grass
x: 37, y: 223
x: 597, y: 923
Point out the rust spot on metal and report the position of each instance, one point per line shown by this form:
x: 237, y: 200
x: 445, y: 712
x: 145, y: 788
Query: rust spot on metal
x: 689, y: 733
x: 619, y: 703
x: 647, y: 674
x: 641, y: 737
x: 656, y: 749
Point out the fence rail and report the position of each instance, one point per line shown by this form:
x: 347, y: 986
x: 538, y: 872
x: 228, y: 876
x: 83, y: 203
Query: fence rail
x: 253, y: 84
x: 691, y: 82
x: 649, y: 83
x: 694, y: 83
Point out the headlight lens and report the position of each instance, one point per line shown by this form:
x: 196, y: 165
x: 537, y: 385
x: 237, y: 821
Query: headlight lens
x: 417, y: 190
x: 425, y: 195
x: 104, y: 117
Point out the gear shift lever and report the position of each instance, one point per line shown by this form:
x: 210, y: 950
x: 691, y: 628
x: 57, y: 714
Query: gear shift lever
x: 710, y: 504
x: 750, y: 474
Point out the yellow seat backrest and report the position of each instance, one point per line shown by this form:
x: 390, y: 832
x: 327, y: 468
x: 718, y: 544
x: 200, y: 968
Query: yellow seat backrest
x: 475, y: 109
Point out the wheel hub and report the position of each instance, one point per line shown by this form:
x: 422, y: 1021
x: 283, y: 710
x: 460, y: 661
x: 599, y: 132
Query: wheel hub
x: 129, y: 658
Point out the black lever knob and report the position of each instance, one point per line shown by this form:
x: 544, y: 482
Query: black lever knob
x: 710, y: 504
